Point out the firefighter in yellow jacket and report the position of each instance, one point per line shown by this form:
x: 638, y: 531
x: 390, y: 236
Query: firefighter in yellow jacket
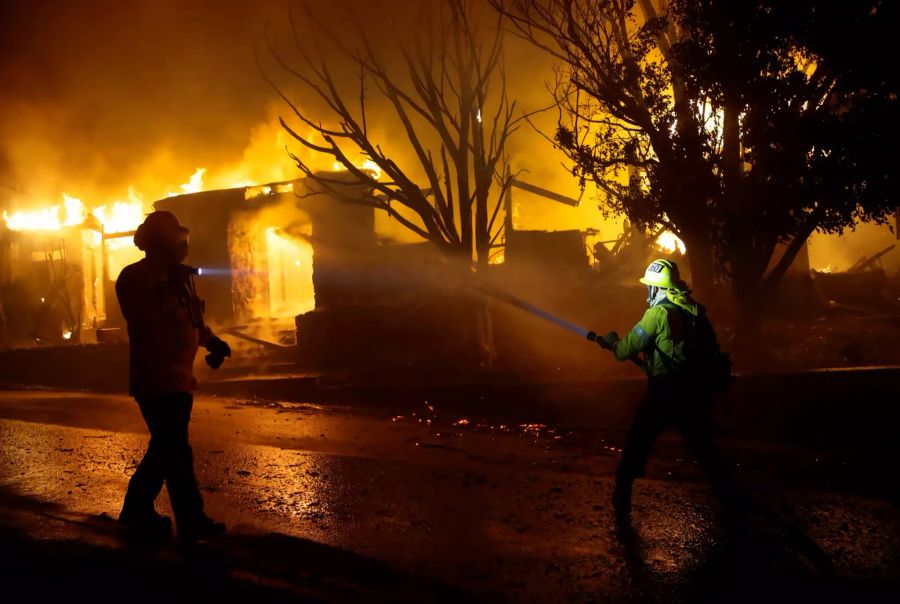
x: 684, y: 366
x: 165, y: 328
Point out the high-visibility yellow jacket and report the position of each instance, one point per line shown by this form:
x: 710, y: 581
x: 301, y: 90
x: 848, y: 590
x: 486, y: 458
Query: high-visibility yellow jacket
x: 666, y: 334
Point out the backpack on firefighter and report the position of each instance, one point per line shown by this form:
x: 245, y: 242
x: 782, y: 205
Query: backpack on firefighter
x: 705, y: 361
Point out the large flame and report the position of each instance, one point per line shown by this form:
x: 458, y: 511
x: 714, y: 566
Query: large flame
x: 116, y: 217
x: 669, y: 242
x: 195, y: 184
x: 289, y: 274
x: 47, y: 218
x: 121, y: 216
x: 75, y: 213
x: 44, y: 219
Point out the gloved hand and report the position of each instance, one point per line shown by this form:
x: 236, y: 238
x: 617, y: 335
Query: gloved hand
x: 218, y: 350
x: 592, y: 336
x: 609, y: 340
x: 218, y: 346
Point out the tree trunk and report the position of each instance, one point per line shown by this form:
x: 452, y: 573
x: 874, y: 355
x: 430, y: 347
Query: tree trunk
x: 487, y: 351
x: 787, y: 259
x: 748, y: 330
x: 479, y: 326
x: 700, y: 257
x: 748, y: 265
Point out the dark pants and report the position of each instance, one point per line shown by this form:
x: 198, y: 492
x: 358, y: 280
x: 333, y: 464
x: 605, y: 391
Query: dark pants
x: 677, y: 403
x: 168, y: 459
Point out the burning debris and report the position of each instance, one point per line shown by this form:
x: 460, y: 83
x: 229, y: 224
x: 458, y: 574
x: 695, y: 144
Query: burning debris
x: 864, y: 288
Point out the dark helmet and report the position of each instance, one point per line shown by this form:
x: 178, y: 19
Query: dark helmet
x: 159, y: 227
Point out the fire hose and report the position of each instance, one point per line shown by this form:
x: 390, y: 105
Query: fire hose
x: 530, y: 308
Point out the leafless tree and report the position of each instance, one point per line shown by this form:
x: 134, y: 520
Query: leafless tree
x: 448, y: 93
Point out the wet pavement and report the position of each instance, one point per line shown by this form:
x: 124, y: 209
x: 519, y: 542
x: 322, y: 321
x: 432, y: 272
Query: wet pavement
x: 330, y: 503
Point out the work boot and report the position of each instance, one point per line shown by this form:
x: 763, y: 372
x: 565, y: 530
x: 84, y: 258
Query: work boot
x: 735, y: 519
x: 621, y: 501
x: 149, y: 524
x: 203, y: 529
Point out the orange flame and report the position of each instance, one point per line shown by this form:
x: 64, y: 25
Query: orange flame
x: 195, y: 184
x: 669, y: 242
x: 367, y: 166
x: 47, y: 219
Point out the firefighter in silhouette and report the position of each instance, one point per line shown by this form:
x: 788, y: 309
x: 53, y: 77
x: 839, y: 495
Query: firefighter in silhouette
x: 685, y: 366
x: 165, y: 328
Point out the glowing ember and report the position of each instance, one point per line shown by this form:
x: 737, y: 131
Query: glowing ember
x: 669, y: 242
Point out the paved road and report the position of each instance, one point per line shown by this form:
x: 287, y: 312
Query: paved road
x: 329, y: 503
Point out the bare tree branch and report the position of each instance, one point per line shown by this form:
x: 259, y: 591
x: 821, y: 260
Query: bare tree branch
x: 450, y: 76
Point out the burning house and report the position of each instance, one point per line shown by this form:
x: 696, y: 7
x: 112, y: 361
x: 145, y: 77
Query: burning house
x: 255, y: 247
x: 275, y: 260
x: 55, y: 267
x: 270, y: 253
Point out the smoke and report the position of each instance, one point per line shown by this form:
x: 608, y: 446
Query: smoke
x: 101, y: 97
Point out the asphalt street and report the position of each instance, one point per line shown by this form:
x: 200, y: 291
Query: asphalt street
x: 418, y: 503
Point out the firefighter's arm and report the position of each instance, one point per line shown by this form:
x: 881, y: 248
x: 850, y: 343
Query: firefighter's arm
x: 639, y: 338
x: 213, y: 343
x: 206, y: 335
x: 217, y: 347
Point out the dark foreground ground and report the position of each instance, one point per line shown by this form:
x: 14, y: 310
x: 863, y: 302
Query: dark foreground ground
x: 417, y: 502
